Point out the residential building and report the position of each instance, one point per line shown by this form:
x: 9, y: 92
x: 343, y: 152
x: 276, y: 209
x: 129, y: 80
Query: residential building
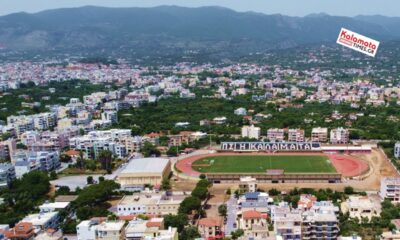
x: 240, y: 112
x: 361, y: 207
x: 390, y: 189
x: 7, y: 149
x: 253, y: 223
x: 339, y: 136
x: 259, y: 201
x: 397, y: 150
x: 319, y: 134
x: 275, y: 135
x: 251, y: 132
x: 219, y: 120
x: 150, y: 203
x: 150, y: 229
x: 111, y: 230
x: 53, y: 206
x: 43, y: 221
x: 210, y: 228
x: 111, y: 116
x: 296, y: 135
x: 247, y: 184
x: 87, y: 230
x: 7, y: 174
x: 21, y: 231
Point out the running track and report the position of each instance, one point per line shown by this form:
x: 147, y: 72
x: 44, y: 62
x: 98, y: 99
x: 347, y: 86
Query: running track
x: 347, y: 165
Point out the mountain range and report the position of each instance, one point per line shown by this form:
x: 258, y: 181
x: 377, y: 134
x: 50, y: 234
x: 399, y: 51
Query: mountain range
x: 166, y: 28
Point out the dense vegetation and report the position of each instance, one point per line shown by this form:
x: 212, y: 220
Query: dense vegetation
x: 10, y: 102
x: 23, y: 196
x: 163, y: 115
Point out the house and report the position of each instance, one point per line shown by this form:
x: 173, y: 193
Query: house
x: 21, y: 231
x: 150, y: 229
x: 210, y: 228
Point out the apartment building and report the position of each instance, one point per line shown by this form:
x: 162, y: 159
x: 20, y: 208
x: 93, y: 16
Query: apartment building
x: 296, y: 135
x: 43, y: 221
x: 7, y: 174
x: 7, y: 148
x: 150, y: 229
x: 150, y: 203
x: 397, y: 150
x: 275, y: 135
x: 319, y: 134
x: 361, y: 207
x: 390, y: 189
x: 251, y: 132
x: 339, y: 136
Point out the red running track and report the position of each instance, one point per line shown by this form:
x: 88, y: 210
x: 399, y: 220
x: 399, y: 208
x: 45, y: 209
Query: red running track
x: 346, y: 165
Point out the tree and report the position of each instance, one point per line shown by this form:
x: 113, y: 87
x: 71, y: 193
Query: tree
x: 179, y: 221
x: 237, y: 234
x: 200, y: 192
x: 172, y: 151
x: 105, y: 158
x: 189, y: 233
x: 165, y: 184
x: 149, y: 150
x: 348, y: 190
x: 63, y: 190
x: 53, y: 175
x: 65, y: 158
x: 222, y: 210
x: 202, y: 176
x: 89, y: 180
x: 273, y: 192
x: 189, y: 204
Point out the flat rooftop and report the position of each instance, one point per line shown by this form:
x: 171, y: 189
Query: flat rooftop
x: 145, y: 165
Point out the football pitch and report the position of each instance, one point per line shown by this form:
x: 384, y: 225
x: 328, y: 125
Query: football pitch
x: 256, y: 164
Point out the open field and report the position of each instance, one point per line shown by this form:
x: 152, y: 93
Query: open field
x: 261, y: 163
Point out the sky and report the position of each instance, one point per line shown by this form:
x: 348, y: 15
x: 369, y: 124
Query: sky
x: 285, y: 7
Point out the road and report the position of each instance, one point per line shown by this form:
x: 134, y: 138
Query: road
x: 231, y: 215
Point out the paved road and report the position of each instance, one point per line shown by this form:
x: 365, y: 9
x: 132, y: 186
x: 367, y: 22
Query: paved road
x: 231, y: 216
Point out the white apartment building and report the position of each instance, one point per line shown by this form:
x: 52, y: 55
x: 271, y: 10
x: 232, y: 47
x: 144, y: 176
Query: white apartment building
x: 339, y: 136
x: 150, y: 229
x: 240, y: 112
x: 96, y: 141
x: 296, y: 135
x: 275, y: 134
x: 29, y: 137
x: 397, y: 150
x: 361, y: 207
x: 319, y: 134
x: 111, y: 116
x: 86, y: 230
x: 43, y: 221
x: 251, y: 132
x: 111, y: 230
x: 150, y: 203
x: 390, y: 189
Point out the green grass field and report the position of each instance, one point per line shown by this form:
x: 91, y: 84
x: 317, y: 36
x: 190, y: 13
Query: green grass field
x: 254, y: 164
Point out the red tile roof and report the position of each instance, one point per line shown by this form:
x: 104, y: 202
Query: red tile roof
x: 209, y: 222
x: 251, y: 214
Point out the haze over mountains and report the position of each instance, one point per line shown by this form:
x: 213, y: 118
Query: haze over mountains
x: 172, y: 27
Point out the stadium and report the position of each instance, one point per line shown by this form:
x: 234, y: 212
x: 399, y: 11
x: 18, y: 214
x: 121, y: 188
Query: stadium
x: 277, y: 162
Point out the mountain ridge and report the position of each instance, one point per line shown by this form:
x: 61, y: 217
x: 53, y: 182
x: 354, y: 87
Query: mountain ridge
x: 171, y: 27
